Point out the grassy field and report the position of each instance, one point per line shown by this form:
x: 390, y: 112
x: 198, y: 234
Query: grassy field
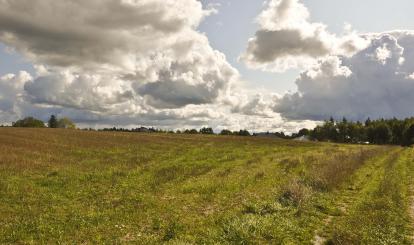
x: 64, y: 186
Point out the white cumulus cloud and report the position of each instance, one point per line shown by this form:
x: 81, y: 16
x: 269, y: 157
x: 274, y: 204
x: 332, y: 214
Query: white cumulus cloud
x: 118, y: 61
x: 375, y: 83
x: 288, y: 39
x: 123, y: 62
x: 11, y: 88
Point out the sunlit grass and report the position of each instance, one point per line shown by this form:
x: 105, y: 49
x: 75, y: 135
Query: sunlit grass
x: 103, y: 187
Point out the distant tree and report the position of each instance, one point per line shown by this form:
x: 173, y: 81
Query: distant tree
x: 327, y: 132
x: 303, y: 132
x: 409, y: 136
x: 398, y: 129
x: 53, y: 122
x: 280, y: 134
x: 206, y: 131
x: 29, y: 122
x: 244, y: 133
x: 355, y: 133
x: 191, y: 131
x: 66, y: 123
x: 368, y: 122
x: 226, y: 132
x: 379, y: 133
x: 342, y: 130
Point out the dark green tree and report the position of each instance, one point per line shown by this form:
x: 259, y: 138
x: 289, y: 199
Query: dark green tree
x: 368, y: 122
x: 206, y: 131
x: 226, y: 132
x: 342, y: 131
x: 192, y: 131
x: 397, y: 127
x: 244, y: 133
x: 379, y: 133
x: 303, y: 132
x: 53, y: 122
x: 409, y: 136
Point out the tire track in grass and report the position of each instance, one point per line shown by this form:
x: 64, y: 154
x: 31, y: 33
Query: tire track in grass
x: 411, y: 211
x: 379, y: 216
x: 361, y: 181
x: 411, y: 193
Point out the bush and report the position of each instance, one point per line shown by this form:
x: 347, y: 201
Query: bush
x: 66, y: 123
x: 29, y: 122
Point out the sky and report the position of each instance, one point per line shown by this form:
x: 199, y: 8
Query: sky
x: 257, y: 65
x: 236, y: 22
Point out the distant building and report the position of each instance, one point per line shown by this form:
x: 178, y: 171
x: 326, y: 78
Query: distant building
x: 303, y: 138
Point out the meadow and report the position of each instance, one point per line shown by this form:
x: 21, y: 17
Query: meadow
x: 86, y: 187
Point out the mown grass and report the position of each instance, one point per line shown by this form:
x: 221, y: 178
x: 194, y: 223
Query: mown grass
x: 63, y: 186
x: 379, y: 214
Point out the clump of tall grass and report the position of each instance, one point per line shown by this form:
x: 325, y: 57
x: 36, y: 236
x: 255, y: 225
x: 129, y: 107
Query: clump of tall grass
x: 296, y: 193
x: 289, y: 164
x: 333, y: 170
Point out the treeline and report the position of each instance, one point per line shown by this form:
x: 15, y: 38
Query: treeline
x: 205, y: 131
x: 392, y: 131
x: 283, y: 135
x: 54, y: 122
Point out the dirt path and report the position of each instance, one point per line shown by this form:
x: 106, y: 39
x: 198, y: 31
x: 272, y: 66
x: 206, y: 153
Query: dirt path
x: 348, y: 196
x: 411, y: 210
x: 319, y: 239
x: 411, y: 206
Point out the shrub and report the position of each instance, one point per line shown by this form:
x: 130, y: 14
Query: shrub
x: 66, y: 123
x: 295, y: 194
x: 29, y: 122
x: 336, y: 169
